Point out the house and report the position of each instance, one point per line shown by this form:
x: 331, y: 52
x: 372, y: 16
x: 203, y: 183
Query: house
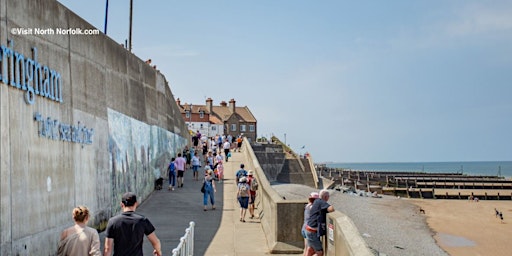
x: 224, y: 119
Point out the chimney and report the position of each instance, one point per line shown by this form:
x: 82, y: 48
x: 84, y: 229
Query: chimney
x: 232, y: 105
x: 209, y: 105
x: 223, y: 104
x: 178, y: 102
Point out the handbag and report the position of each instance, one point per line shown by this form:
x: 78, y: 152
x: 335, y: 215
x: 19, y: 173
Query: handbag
x: 202, y: 188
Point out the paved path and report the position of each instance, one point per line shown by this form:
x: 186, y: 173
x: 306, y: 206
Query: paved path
x: 217, y: 232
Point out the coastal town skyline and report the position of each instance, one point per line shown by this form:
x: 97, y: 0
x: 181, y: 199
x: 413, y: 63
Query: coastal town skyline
x: 372, y: 81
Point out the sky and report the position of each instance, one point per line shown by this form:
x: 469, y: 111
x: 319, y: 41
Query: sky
x: 346, y: 81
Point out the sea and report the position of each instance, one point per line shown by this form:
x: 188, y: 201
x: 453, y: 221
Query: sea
x: 488, y: 168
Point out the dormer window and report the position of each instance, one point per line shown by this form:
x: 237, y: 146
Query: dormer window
x: 187, y: 114
x: 201, y: 114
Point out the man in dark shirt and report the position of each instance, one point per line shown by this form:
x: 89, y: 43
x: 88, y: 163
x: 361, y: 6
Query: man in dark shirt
x: 125, y: 232
x: 315, y: 224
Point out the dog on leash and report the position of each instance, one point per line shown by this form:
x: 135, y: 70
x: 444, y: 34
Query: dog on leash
x: 159, y: 183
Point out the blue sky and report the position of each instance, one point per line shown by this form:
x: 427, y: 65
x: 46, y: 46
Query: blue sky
x: 352, y: 81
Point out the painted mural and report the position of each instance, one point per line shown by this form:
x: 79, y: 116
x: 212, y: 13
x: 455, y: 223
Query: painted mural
x: 139, y: 154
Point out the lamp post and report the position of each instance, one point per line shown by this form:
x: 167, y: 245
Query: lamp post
x: 190, y: 116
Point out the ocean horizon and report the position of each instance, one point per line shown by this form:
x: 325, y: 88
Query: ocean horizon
x: 488, y: 168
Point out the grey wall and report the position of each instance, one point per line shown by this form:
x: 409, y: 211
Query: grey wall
x: 128, y: 105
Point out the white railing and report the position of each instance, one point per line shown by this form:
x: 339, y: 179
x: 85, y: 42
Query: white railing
x: 186, y: 246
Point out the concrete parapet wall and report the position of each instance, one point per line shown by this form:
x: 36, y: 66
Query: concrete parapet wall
x: 112, y: 127
x: 282, y: 220
x: 343, y: 237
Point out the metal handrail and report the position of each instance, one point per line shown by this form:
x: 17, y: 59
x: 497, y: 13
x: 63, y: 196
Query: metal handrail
x: 186, y: 245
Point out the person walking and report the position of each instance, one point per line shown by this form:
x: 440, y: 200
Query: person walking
x: 180, y: 163
x: 172, y: 174
x: 79, y: 240
x: 209, y: 189
x: 241, y: 173
x: 239, y: 141
x: 315, y: 225
x: 209, y: 159
x: 243, y: 197
x: 125, y: 232
x: 253, y: 185
x: 226, y: 146
x: 196, y: 163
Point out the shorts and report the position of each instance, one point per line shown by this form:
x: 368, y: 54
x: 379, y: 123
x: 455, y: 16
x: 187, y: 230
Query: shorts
x: 195, y: 168
x: 314, y: 241
x: 253, y: 197
x: 244, y: 202
x: 180, y: 173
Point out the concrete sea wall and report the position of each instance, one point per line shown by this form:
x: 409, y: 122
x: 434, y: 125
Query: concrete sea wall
x: 82, y: 120
x: 282, y: 218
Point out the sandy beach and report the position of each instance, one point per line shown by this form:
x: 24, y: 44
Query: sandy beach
x: 395, y: 227
x: 469, y: 228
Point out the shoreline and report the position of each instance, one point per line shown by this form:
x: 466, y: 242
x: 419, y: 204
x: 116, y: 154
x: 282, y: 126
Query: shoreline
x: 465, y: 227
x: 395, y: 226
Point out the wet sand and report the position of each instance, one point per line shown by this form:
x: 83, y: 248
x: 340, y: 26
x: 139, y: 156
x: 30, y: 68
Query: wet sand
x: 469, y: 228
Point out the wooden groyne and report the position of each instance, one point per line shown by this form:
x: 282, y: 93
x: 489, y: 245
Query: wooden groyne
x: 450, y: 185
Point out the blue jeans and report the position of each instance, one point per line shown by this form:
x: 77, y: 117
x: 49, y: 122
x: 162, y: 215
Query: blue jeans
x: 172, y: 178
x: 208, y: 191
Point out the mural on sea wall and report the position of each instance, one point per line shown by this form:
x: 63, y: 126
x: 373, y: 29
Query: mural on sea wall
x: 139, y: 154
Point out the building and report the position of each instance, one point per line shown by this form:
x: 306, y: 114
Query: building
x: 224, y: 119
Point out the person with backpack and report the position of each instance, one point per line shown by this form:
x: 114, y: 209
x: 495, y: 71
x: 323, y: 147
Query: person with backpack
x: 172, y: 174
x: 209, y: 189
x: 240, y: 173
x: 243, y: 197
x: 253, y: 185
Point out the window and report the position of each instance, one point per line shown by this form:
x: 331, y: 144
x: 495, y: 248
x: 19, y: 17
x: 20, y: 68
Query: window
x: 242, y: 127
x: 233, y: 127
x: 187, y: 114
x: 201, y: 114
x: 201, y: 126
x: 214, y: 128
x: 251, y: 127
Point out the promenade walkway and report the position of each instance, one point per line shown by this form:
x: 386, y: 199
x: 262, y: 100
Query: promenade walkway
x: 217, y: 232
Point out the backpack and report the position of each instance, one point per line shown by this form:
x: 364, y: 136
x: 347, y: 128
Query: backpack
x: 254, y: 184
x: 243, y: 190
x: 240, y: 174
x: 171, y: 167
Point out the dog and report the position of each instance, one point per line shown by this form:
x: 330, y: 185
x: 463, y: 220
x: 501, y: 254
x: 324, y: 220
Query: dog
x: 159, y: 183
x: 422, y: 211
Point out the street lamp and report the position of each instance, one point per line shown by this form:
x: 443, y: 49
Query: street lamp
x: 190, y: 115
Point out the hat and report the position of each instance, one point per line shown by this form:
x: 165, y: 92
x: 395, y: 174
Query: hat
x: 206, y: 168
x: 243, y: 179
x: 129, y: 199
x: 250, y: 173
x: 314, y: 195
